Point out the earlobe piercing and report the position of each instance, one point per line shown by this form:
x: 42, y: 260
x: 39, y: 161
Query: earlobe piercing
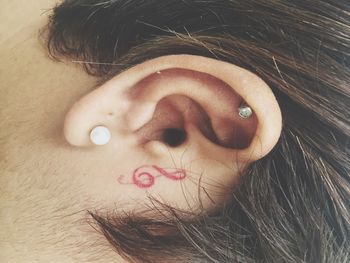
x: 245, y: 111
x: 100, y: 135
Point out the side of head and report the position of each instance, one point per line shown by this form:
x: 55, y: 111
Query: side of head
x: 270, y: 188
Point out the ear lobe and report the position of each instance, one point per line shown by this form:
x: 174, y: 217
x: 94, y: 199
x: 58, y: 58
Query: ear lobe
x: 127, y: 104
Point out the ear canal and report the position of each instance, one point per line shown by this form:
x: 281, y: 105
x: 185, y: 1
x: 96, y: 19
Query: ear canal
x: 201, y: 100
x: 173, y: 114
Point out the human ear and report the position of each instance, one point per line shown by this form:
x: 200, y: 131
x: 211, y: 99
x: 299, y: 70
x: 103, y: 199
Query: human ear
x: 180, y: 113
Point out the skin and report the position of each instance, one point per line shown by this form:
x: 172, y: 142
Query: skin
x: 40, y: 202
x: 51, y: 175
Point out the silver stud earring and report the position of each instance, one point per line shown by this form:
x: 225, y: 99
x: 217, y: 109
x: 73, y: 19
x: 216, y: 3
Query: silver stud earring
x: 245, y: 111
x: 100, y: 135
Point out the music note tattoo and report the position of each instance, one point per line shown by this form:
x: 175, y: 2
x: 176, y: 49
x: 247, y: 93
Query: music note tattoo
x: 146, y: 175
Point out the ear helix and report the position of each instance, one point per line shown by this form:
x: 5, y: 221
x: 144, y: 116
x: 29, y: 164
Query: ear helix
x: 100, y: 135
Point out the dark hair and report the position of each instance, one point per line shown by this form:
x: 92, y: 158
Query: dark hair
x: 292, y: 205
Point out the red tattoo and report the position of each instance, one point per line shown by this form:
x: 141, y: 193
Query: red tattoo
x: 145, y: 176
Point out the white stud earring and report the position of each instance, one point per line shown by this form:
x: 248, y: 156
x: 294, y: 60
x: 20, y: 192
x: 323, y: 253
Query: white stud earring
x: 245, y: 111
x: 100, y: 135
